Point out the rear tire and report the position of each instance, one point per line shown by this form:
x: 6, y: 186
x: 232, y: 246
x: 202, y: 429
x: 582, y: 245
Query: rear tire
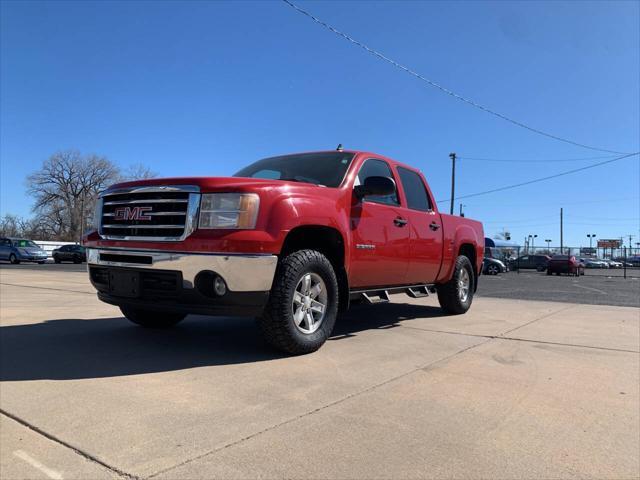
x: 13, y: 259
x: 493, y: 270
x: 456, y: 295
x: 56, y: 259
x: 152, y: 319
x: 77, y: 260
x: 305, y: 282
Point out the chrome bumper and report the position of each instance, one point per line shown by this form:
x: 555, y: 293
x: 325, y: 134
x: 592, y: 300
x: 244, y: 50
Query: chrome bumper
x: 241, y: 272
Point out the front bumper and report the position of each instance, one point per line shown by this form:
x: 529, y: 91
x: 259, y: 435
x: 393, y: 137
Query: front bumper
x: 168, y: 280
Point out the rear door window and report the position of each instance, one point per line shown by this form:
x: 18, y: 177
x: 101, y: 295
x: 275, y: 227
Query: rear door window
x: 414, y: 190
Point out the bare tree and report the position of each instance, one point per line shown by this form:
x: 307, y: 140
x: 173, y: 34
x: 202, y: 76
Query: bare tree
x: 65, y: 190
x: 138, y: 171
x: 10, y: 226
x: 14, y: 226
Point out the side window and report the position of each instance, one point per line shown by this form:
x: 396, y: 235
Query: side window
x: 415, y: 191
x: 377, y: 168
x: 5, y: 243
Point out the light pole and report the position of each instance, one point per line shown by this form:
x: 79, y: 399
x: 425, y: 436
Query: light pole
x: 548, y: 240
x: 461, y: 211
x: 532, y: 240
x: 590, y: 236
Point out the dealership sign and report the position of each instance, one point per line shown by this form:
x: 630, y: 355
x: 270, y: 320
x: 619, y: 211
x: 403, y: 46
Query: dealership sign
x: 608, y: 243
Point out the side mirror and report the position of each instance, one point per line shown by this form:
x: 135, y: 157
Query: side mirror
x: 374, y: 186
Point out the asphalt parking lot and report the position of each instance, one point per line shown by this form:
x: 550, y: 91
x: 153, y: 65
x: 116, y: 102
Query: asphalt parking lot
x: 516, y: 388
x: 597, y: 287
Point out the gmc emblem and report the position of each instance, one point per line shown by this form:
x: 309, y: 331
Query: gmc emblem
x: 132, y: 213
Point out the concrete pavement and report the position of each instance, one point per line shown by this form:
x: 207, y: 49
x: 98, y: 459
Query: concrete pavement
x: 513, y: 389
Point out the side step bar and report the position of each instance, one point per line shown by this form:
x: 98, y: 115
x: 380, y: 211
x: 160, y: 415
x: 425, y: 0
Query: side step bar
x: 417, y: 292
x: 381, y: 295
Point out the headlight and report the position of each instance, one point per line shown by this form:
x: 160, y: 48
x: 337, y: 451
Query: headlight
x: 228, y: 210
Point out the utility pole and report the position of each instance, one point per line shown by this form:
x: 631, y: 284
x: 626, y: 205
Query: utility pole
x: 561, y: 234
x: 453, y: 180
x: 81, y: 218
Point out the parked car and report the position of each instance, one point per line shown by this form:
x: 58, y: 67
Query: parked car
x: 17, y: 250
x: 565, y: 264
x: 594, y: 263
x: 290, y: 240
x: 536, y: 262
x: 493, y: 266
x: 614, y: 264
x: 70, y: 253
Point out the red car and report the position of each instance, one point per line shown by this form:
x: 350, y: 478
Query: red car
x: 565, y: 264
x: 288, y: 239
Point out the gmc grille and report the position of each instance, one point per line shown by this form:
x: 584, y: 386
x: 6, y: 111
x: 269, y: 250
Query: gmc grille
x: 160, y: 213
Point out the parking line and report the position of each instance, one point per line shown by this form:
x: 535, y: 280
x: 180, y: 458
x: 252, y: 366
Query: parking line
x: 590, y: 288
x: 22, y: 455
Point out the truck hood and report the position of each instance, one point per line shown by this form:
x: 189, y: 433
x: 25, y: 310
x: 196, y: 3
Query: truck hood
x: 216, y: 184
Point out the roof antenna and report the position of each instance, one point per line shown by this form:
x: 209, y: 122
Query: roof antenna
x: 340, y: 149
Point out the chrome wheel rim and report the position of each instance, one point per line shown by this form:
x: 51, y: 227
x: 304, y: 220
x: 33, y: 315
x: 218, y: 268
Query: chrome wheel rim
x: 464, y: 282
x: 309, y: 303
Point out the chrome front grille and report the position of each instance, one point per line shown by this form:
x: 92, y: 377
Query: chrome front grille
x: 155, y: 213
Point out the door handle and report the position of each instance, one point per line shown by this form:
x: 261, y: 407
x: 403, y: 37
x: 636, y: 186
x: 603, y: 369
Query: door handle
x: 400, y: 222
x: 434, y: 226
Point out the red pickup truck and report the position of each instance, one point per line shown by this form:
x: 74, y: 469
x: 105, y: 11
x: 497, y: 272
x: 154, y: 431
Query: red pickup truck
x: 289, y: 239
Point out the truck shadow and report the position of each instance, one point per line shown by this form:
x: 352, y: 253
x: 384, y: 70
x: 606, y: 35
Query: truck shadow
x: 67, y: 349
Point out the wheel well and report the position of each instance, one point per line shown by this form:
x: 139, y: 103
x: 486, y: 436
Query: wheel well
x: 327, y: 241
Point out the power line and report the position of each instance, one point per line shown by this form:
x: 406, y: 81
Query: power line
x: 510, y: 160
x: 437, y: 85
x: 568, y: 172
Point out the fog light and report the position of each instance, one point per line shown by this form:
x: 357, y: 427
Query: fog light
x: 219, y: 286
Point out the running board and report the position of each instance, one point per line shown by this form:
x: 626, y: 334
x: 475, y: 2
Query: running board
x: 381, y: 294
x: 383, y: 297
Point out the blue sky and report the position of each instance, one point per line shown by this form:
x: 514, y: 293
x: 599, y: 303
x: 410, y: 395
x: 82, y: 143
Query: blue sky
x: 203, y: 88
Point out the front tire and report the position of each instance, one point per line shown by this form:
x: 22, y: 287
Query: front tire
x: 456, y: 295
x: 152, y: 319
x: 303, y: 303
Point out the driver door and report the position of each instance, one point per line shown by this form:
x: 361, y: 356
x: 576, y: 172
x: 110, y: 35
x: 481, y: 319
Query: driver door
x: 380, y: 239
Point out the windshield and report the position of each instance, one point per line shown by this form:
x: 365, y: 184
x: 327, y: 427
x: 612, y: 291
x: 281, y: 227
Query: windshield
x: 325, y: 168
x: 24, y: 244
